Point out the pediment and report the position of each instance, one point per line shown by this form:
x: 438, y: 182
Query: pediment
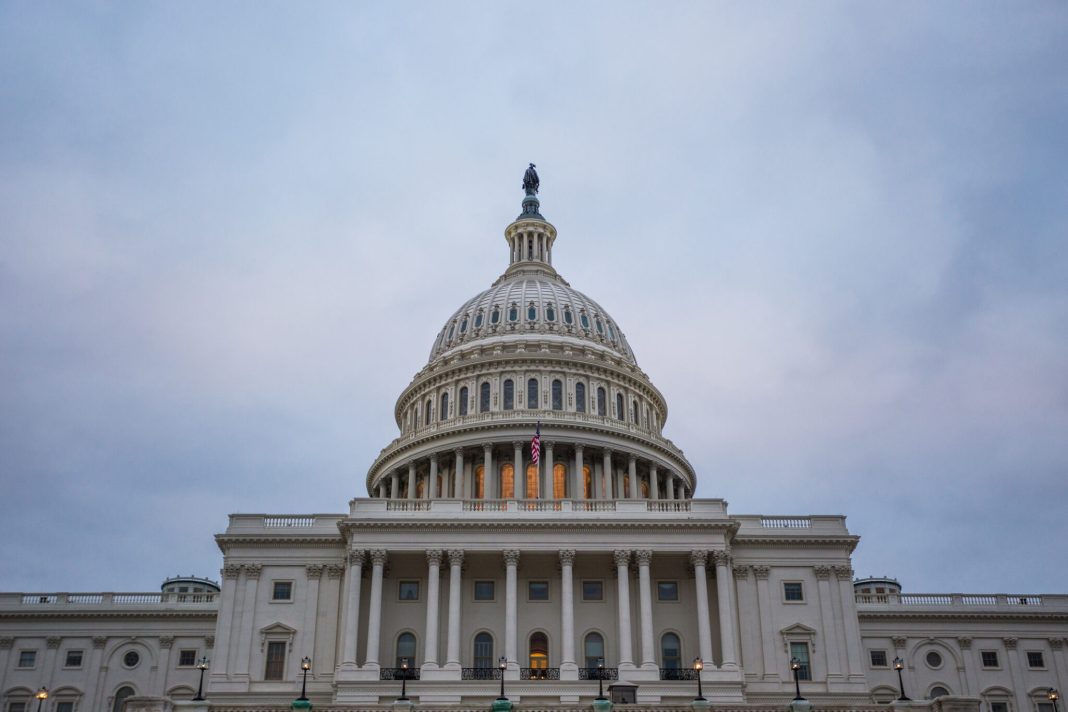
x: 277, y: 631
x: 798, y: 629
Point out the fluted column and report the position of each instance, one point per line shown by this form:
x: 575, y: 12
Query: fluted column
x: 724, y: 584
x: 645, y: 597
x: 654, y: 482
x: 352, y: 607
x: 567, y: 612
x: 823, y: 588
x: 854, y: 655
x: 669, y: 484
x: 622, y: 558
x: 704, y: 633
x: 411, y: 479
x: 760, y: 574
x: 520, y: 479
x: 458, y: 474
x: 511, y: 562
x: 452, y: 654
x: 394, y: 485
x: 432, y: 478
x: 489, y: 482
x: 382, y: 488
x: 550, y: 478
x: 433, y: 577
x: 606, y: 475
x: 635, y: 493
x: 248, y: 610
x: 374, y: 613
x: 577, y: 478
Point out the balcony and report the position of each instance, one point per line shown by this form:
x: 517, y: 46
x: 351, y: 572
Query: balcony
x: 398, y: 673
x: 539, y: 673
x: 480, y: 673
x: 678, y: 674
x: 598, y: 673
x: 390, y: 509
x: 70, y: 602
x: 966, y: 601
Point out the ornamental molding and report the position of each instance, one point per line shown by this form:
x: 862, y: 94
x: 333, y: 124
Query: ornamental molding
x: 1056, y: 643
x: 511, y: 557
x: 741, y: 572
x: 843, y: 573
x: 721, y: 557
x: 252, y: 571
x: 849, y: 542
x: 231, y: 571
x: 378, y: 557
x: 456, y: 557
x: 975, y: 616
x: 567, y: 557
x: 698, y: 558
x: 643, y: 557
x: 434, y: 557
x: 503, y: 526
x: 621, y: 557
x: 206, y: 614
x: 209, y: 642
x: 798, y: 632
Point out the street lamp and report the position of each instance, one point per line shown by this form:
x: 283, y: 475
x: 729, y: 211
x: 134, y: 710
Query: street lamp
x: 600, y: 678
x: 305, y: 665
x: 795, y: 665
x: 202, y: 665
x: 899, y: 665
x: 404, y: 681
x: 1053, y: 696
x: 502, y: 664
x: 699, y: 665
x: 41, y: 695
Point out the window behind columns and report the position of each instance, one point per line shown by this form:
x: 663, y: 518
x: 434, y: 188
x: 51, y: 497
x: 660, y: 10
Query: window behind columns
x: 484, y: 398
x: 532, y: 481
x: 619, y: 407
x: 670, y: 652
x: 538, y: 651
x: 587, y: 482
x: 593, y: 649
x: 509, y: 394
x: 634, y: 412
x: 559, y: 481
x: 463, y: 400
x: 532, y: 393
x: 580, y: 397
x: 444, y: 412
x: 558, y: 395
x: 483, y: 657
x: 406, y: 650
x: 601, y: 405
x: 507, y: 481
x: 479, y: 485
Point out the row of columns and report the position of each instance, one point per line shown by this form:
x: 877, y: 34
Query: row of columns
x: 622, y: 557
x: 609, y: 487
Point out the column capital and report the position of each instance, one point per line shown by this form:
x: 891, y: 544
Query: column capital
x: 721, y: 557
x: 843, y: 573
x: 547, y: 444
x: 335, y: 571
x: 165, y: 641
x: 252, y: 571
x: 698, y: 557
x: 1056, y: 643
x: 822, y: 572
x: 622, y: 557
x: 517, y: 444
x: 487, y: 446
x: 741, y: 572
x: 357, y: 557
x: 761, y: 572
x: 209, y: 642
x: 378, y: 557
x: 456, y: 557
x: 567, y: 557
x: 314, y: 570
x: 964, y: 643
x: 6, y: 642
x: 899, y: 642
x: 632, y: 458
x: 643, y: 556
x: 433, y: 557
x: 1010, y: 643
x: 458, y: 451
x: 579, y: 447
x: 231, y: 571
x: 434, y: 457
x: 53, y: 641
x: 511, y: 557
x: 99, y: 641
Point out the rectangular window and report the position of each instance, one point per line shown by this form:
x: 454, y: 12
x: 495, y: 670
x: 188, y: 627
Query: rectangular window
x: 878, y: 658
x: 990, y: 658
x: 538, y: 591
x: 667, y: 590
x: 1035, y: 659
x: 593, y: 590
x: 276, y: 661
x: 408, y: 591
x: 27, y: 658
x: 1045, y: 707
x: 999, y: 707
x: 282, y: 591
x: 800, y: 651
x: 187, y: 658
x: 65, y: 706
x: 73, y: 659
x: 792, y: 591
x: 484, y: 590
x: 16, y: 707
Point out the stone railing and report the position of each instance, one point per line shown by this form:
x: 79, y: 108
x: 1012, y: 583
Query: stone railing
x: 939, y: 600
x: 712, y: 508
x: 107, y: 600
x: 816, y: 525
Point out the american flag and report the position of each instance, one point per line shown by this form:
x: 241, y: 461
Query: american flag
x: 535, y: 445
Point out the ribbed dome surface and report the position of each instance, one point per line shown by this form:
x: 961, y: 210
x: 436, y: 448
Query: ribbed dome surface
x: 531, y: 305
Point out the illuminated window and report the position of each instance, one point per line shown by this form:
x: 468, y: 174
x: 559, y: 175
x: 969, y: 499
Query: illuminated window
x: 532, y: 481
x: 587, y: 480
x: 507, y: 481
x: 559, y: 481
x: 539, y: 651
x: 480, y: 482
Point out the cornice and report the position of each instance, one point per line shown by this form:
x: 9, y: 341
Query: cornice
x: 563, y: 525
x: 311, y: 541
x: 205, y: 614
x: 986, y: 616
x: 757, y: 542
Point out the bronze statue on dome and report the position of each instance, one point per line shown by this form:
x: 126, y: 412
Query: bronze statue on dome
x: 530, y: 181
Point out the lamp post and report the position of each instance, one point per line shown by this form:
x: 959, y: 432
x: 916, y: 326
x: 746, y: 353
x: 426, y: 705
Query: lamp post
x: 404, y: 681
x: 795, y: 666
x: 600, y: 678
x: 899, y: 665
x: 502, y: 665
x: 41, y: 696
x: 699, y: 665
x: 202, y: 665
x: 305, y: 665
x: 1053, y: 696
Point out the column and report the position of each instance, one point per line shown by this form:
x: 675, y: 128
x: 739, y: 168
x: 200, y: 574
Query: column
x: 644, y: 557
x: 704, y: 633
x: 314, y: 574
x: 567, y: 612
x: 244, y: 644
x: 411, y: 479
x: 724, y: 583
x: 452, y: 654
x: 547, y: 481
x: 6, y: 643
x: 511, y: 562
x: 374, y: 614
x: 823, y: 587
x: 382, y: 488
x: 1013, y: 654
x: 432, y: 478
x: 433, y: 576
x: 606, y: 475
x: 654, y: 482
x: 394, y: 486
x: 166, y: 642
x: 230, y: 572
x: 1057, y: 664
x: 855, y: 661
x: 458, y: 474
x: 968, y: 659
x: 622, y: 558
x: 353, y: 580
x: 635, y: 492
x: 579, y: 490
x: 96, y: 675
x: 520, y: 471
x: 669, y: 485
x: 489, y: 482
x: 771, y: 669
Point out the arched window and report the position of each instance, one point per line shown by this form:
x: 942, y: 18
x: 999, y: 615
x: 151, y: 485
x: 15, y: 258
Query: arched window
x: 120, y: 698
x: 559, y: 481
x: 532, y: 312
x: 444, y: 412
x: 580, y: 397
x: 483, y: 398
x: 558, y: 395
x: 583, y: 319
x: 507, y: 481
x: 569, y: 318
x: 483, y: 657
x: 509, y: 394
x: 670, y: 652
x: 532, y: 482
x: 463, y: 400
x: 539, y: 651
x: 619, y: 407
x: 513, y: 312
x: 939, y: 691
x: 426, y: 412
x: 601, y: 406
x: 495, y: 316
x: 645, y: 489
x: 406, y: 650
x: 587, y: 482
x: 452, y: 327
x: 550, y: 313
x: 479, y: 485
x: 478, y: 320
x: 463, y: 326
x: 600, y: 325
x: 532, y: 393
x: 634, y: 412
x: 593, y: 649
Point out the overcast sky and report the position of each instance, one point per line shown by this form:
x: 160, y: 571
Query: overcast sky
x: 834, y: 233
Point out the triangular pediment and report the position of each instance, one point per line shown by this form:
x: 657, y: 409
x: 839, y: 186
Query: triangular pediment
x: 798, y: 629
x: 277, y: 628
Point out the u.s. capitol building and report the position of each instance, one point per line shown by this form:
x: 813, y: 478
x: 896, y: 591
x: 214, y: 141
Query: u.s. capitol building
x: 594, y: 567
